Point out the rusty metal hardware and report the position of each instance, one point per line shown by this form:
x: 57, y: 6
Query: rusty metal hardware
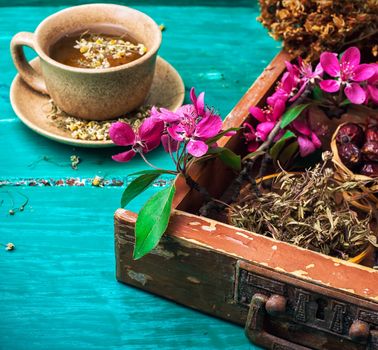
x: 254, y: 327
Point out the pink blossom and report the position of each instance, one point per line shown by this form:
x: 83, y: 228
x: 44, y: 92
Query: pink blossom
x: 250, y: 137
x: 348, y: 72
x: 271, y: 113
x: 372, y: 85
x: 144, y: 140
x: 196, y: 132
x: 284, y: 89
x: 308, y: 141
x: 303, y: 75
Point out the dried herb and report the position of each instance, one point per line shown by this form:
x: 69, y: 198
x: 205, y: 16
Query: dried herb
x: 306, y: 209
x: 75, y: 160
x: 98, y: 49
x: 310, y: 27
x: 92, y: 130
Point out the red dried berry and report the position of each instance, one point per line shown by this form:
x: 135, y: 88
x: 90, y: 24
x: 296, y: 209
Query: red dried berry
x: 350, y: 133
x: 370, y: 151
x: 372, y: 133
x: 349, y: 154
x: 370, y: 169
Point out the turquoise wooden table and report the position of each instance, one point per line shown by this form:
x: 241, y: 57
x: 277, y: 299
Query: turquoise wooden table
x: 58, y: 287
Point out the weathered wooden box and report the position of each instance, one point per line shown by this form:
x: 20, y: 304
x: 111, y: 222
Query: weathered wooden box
x: 285, y: 296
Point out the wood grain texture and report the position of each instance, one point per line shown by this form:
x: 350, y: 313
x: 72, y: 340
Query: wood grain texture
x: 58, y: 288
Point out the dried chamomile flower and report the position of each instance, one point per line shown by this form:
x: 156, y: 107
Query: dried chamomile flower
x: 97, y: 50
x: 93, y: 130
x: 10, y: 246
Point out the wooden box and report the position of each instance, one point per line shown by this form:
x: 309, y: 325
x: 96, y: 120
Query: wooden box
x: 285, y: 296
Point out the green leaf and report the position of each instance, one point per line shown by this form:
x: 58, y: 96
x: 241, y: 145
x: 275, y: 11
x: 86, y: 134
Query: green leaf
x: 292, y: 114
x: 136, y: 187
x: 221, y: 134
x: 317, y: 93
x: 253, y: 154
x: 152, y: 221
x: 154, y: 171
x: 228, y: 157
x: 280, y: 144
x: 345, y: 102
x: 288, y: 152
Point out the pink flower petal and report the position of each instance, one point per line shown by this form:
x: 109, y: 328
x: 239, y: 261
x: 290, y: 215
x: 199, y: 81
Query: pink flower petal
x: 177, y: 132
x: 318, y: 70
x: 149, y: 128
x: 315, y: 140
x: 164, y: 115
x: 252, y: 146
x: 257, y: 113
x: 373, y: 93
x: 351, y: 57
x: 329, y: 85
x: 263, y: 130
x: 302, y: 127
x: 124, y: 156
x: 197, y: 148
x: 200, y: 105
x: 169, y: 144
x: 209, y: 126
x: 330, y: 64
x: 122, y: 134
x: 278, y: 109
x: 306, y: 147
x: 355, y: 93
x: 193, y: 96
x: 249, y: 132
x: 363, y: 72
x: 230, y: 133
x: 150, y: 133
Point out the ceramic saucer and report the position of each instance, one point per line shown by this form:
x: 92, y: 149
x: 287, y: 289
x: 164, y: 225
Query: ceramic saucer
x: 31, y: 107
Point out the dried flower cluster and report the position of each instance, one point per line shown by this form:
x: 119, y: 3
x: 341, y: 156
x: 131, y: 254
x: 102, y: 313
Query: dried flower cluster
x: 307, y: 210
x: 97, y: 50
x: 93, y: 130
x: 309, y: 27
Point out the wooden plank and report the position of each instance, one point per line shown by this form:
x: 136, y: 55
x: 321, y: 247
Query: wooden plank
x: 58, y: 287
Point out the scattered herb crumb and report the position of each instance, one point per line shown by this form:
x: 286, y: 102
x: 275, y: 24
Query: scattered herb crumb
x: 10, y: 246
x: 162, y: 27
x: 93, y: 130
x: 98, y: 181
x: 75, y: 160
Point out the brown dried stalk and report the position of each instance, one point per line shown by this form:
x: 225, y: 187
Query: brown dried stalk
x: 307, y: 210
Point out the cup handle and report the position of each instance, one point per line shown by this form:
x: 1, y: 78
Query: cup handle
x: 26, y: 71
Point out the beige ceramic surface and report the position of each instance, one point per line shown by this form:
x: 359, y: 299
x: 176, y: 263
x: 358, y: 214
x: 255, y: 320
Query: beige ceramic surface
x: 90, y: 93
x: 31, y: 107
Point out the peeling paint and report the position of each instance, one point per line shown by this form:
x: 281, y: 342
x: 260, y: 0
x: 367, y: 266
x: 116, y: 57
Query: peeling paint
x: 160, y: 251
x: 194, y: 223
x: 310, y: 266
x: 336, y: 264
x: 209, y: 228
x: 348, y: 290
x: 300, y: 273
x: 274, y: 247
x: 139, y: 277
x: 244, y: 235
x: 193, y: 279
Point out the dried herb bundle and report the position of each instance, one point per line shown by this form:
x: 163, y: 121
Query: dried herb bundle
x: 305, y: 209
x: 92, y: 130
x: 311, y: 26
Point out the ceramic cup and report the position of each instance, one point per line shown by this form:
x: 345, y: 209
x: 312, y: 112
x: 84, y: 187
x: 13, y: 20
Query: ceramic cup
x: 96, y: 94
